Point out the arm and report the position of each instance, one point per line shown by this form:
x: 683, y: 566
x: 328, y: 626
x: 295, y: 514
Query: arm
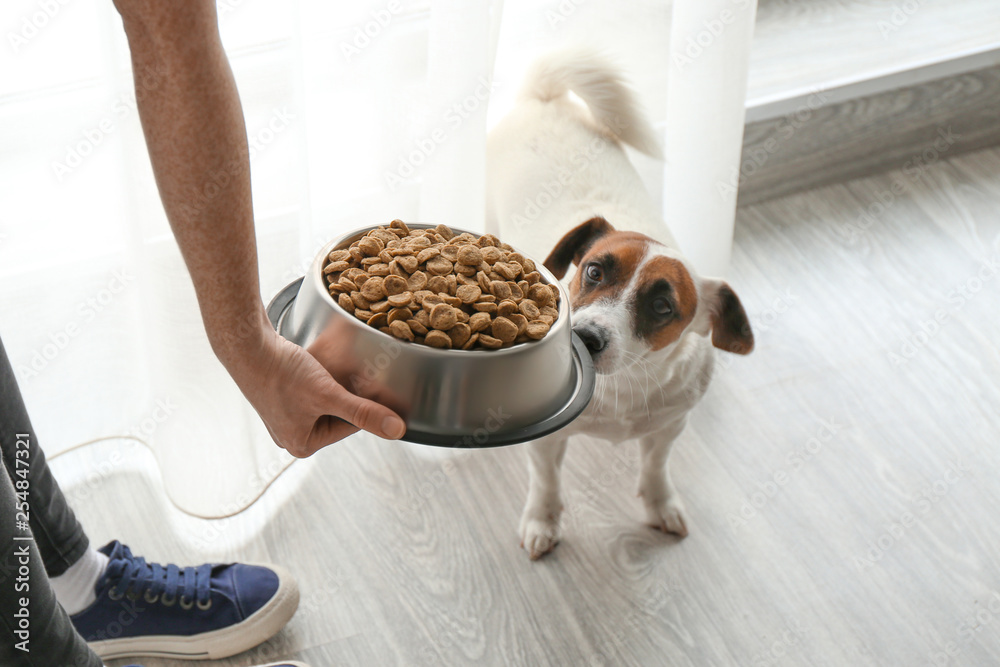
x: 196, y: 137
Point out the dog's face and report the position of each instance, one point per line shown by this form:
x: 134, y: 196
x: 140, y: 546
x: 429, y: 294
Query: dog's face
x: 634, y: 298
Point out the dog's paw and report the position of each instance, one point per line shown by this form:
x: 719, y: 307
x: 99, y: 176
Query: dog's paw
x: 667, y: 515
x: 539, y: 536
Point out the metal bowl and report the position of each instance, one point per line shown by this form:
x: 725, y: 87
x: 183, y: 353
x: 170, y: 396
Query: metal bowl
x: 449, y: 398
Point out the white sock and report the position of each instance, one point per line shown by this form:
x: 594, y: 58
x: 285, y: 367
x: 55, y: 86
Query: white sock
x: 74, y: 588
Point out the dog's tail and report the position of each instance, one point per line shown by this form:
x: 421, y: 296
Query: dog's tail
x: 601, y: 86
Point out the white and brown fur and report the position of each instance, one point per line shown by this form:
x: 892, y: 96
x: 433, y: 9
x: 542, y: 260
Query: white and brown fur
x: 561, y: 185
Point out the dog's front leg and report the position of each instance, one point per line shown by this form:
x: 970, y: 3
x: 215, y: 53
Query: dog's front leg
x: 664, y: 508
x: 540, y: 520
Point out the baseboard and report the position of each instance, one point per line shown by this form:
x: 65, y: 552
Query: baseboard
x: 847, y: 131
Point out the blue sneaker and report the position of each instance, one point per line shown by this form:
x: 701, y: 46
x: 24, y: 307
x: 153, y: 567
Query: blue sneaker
x: 206, y: 612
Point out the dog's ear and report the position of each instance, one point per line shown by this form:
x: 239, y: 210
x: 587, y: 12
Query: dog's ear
x: 573, y: 246
x: 730, y: 327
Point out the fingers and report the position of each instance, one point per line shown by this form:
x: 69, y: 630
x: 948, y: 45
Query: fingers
x: 326, y: 431
x: 329, y: 413
x: 329, y: 430
x: 365, y: 414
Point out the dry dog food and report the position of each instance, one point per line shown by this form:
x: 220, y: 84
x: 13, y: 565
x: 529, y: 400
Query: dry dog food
x: 434, y: 287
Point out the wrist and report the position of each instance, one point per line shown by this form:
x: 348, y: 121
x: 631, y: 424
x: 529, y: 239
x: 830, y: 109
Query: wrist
x: 242, y: 341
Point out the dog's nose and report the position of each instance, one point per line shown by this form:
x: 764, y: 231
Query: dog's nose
x: 594, y: 337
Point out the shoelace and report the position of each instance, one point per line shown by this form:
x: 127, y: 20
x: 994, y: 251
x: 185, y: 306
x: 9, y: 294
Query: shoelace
x: 133, y: 576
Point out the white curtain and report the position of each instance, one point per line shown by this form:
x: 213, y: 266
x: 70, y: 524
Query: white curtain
x: 356, y: 112
x: 710, y: 44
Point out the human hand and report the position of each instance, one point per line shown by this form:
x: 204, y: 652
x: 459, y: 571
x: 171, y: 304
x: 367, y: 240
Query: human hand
x: 301, y: 404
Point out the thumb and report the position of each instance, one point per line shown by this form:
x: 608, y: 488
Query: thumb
x: 363, y: 413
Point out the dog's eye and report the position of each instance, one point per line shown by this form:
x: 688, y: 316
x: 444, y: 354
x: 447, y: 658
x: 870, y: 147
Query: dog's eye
x: 594, y: 273
x: 661, y: 306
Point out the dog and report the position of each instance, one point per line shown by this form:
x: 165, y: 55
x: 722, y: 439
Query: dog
x: 559, y: 182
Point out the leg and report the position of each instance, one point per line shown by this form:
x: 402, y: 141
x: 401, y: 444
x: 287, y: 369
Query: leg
x: 25, y: 561
x: 52, y: 640
x: 540, y: 520
x: 204, y: 612
x: 60, y: 537
x: 664, y: 508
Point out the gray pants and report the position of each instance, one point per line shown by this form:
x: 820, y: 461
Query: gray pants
x: 51, y: 541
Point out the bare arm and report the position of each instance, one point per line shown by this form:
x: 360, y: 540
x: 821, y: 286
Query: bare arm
x: 193, y: 123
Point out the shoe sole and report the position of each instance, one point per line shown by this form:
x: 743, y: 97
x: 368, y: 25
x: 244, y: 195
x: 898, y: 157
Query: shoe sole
x: 222, y: 643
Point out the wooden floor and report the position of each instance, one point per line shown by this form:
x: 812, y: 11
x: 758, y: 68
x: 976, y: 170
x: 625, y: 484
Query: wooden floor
x: 841, y: 482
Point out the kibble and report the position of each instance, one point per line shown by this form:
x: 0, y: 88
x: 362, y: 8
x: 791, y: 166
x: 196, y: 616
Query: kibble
x: 469, y: 293
x: 400, y: 300
x: 401, y: 329
x: 438, y: 339
x: 394, y: 285
x: 441, y: 289
x: 345, y: 302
